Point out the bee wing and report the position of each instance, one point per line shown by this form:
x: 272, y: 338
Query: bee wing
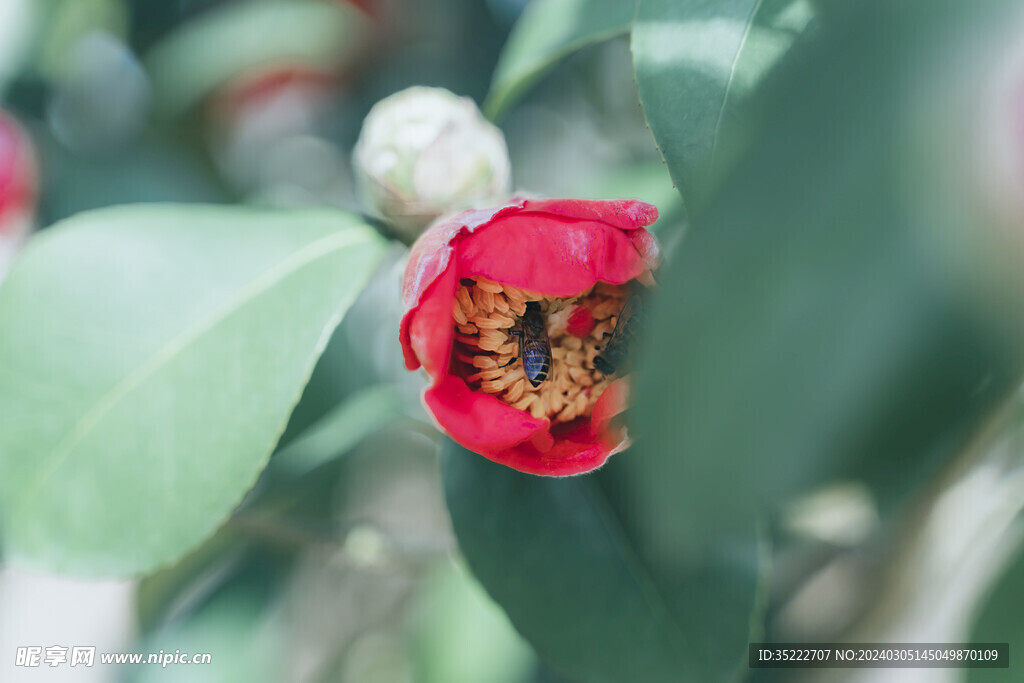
x: 632, y: 312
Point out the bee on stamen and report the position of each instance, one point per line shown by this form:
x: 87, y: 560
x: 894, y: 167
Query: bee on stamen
x: 534, y: 347
x: 614, y: 354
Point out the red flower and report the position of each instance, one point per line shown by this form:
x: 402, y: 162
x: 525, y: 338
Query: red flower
x: 17, y: 176
x: 18, y: 181
x: 476, y: 280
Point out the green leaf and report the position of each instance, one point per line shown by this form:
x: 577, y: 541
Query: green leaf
x: 696, y: 61
x: 149, y: 359
x: 362, y: 353
x: 164, y: 594
x: 817, y: 325
x: 547, y: 31
x: 593, y: 596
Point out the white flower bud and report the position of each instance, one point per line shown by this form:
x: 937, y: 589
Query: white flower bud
x: 424, y: 152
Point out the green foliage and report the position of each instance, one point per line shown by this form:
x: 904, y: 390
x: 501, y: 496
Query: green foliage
x: 696, y: 61
x: 810, y: 306
x: 548, y: 31
x: 151, y: 357
x: 179, y: 401
x: 590, y: 591
x: 800, y: 336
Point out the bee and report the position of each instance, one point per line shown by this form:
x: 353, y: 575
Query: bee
x: 613, y: 355
x: 534, y: 347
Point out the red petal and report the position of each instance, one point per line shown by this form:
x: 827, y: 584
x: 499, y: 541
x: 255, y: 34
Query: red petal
x: 427, y: 331
x: 429, y: 258
x: 647, y: 246
x: 545, y: 254
x: 612, y: 401
x: 479, y: 421
x: 432, y: 251
x: 574, y: 452
x: 625, y: 214
x: 499, y: 432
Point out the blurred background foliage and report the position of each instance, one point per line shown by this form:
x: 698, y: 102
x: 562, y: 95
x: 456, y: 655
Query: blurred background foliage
x: 827, y: 411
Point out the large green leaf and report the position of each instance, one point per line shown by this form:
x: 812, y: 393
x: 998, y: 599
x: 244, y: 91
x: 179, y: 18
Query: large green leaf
x: 593, y: 598
x: 547, y: 31
x: 813, y: 327
x: 297, y: 483
x: 149, y: 359
x: 696, y: 61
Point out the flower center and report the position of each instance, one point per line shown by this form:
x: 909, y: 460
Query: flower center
x: 498, y: 352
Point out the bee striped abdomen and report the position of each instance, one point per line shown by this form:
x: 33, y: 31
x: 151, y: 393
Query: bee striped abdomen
x: 536, y: 361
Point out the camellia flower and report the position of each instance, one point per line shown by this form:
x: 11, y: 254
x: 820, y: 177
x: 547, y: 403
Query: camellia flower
x: 470, y: 281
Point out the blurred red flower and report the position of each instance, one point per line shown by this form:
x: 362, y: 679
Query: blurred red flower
x: 18, y: 182
x: 17, y: 173
x: 472, y: 279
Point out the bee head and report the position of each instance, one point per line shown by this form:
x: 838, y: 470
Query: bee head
x: 603, y: 366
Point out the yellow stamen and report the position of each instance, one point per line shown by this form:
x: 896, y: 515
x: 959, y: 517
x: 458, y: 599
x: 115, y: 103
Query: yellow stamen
x: 515, y: 392
x: 484, y: 300
x: 458, y: 313
x: 486, y: 313
x: 488, y: 286
x: 465, y: 302
x: 495, y: 321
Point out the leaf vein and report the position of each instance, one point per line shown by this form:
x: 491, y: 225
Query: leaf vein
x: 732, y: 77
